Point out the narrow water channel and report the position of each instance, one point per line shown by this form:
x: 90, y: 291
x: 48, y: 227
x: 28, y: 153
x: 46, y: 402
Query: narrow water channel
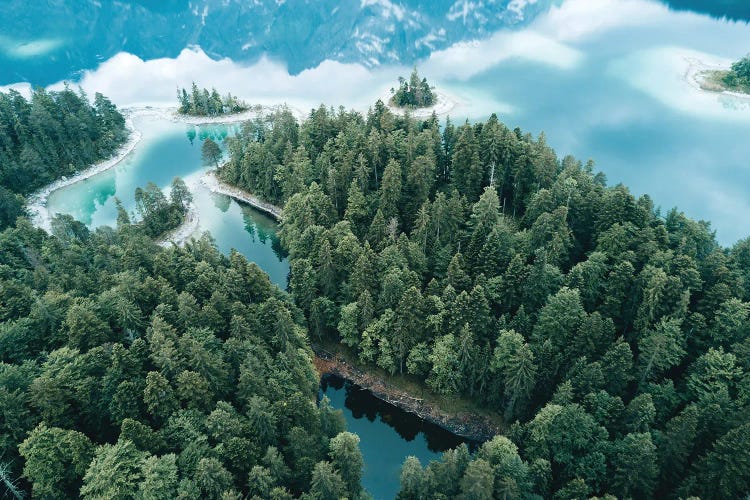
x: 387, y: 435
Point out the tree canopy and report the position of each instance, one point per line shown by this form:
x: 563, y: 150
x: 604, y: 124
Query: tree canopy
x: 202, y: 102
x: 132, y: 371
x: 413, y: 93
x: 738, y: 77
x: 611, y: 337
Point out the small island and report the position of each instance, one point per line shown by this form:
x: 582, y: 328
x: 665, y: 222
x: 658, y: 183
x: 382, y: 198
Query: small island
x: 201, y: 102
x: 413, y: 93
x: 735, y: 79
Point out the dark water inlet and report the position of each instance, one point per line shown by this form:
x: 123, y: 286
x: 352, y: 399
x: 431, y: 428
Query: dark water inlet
x: 387, y: 434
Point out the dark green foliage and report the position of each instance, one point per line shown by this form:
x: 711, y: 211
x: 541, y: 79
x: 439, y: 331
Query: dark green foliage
x: 210, y: 152
x: 132, y: 371
x: 53, y: 134
x: 159, y: 214
x: 413, y: 93
x: 739, y: 76
x: 478, y: 262
x: 201, y: 102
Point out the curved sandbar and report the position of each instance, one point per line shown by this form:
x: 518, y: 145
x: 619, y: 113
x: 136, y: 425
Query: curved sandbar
x: 215, y: 185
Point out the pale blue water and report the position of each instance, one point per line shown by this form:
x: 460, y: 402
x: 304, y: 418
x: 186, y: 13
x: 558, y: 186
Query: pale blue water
x: 168, y: 150
x: 387, y: 435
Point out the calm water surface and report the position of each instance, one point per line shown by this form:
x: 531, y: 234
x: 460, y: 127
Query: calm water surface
x: 168, y: 150
x: 387, y: 435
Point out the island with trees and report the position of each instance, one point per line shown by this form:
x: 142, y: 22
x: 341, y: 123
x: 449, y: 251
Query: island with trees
x: 735, y: 79
x: 413, y: 93
x: 202, y: 102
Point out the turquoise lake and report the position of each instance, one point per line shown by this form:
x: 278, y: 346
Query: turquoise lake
x: 387, y: 435
x: 606, y: 80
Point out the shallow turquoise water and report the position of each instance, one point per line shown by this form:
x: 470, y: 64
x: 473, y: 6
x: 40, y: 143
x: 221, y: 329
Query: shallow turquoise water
x: 168, y: 150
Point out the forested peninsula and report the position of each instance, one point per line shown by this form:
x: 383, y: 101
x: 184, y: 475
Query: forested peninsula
x: 613, y: 338
x: 51, y: 135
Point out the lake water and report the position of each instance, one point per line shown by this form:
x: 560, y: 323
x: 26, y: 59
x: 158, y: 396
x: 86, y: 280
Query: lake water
x: 168, y: 150
x: 387, y: 435
x: 604, y: 79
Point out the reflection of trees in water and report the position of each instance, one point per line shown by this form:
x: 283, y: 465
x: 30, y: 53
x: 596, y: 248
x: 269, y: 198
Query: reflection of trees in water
x: 105, y: 191
x: 738, y: 10
x: 278, y: 249
x: 221, y: 201
x: 262, y: 226
x: 362, y: 404
x: 217, y: 133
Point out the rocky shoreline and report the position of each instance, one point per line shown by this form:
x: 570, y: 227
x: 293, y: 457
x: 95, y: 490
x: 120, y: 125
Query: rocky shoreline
x: 466, y: 425
x: 212, y: 182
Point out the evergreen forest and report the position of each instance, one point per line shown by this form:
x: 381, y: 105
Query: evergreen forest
x: 51, y: 135
x: 202, y: 102
x: 613, y: 338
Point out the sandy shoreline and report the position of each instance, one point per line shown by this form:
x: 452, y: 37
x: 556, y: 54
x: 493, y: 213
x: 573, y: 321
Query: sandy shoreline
x: 210, y: 181
x: 696, y: 71
x: 182, y: 233
x: 37, y: 201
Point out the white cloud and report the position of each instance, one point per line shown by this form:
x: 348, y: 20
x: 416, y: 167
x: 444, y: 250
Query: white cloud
x: 129, y: 80
x: 464, y: 60
x: 575, y: 20
x: 24, y: 88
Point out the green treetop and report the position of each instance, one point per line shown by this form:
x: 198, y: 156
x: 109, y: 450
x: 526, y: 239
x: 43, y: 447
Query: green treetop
x: 413, y: 93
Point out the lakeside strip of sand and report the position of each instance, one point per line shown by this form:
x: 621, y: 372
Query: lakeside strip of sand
x: 37, y: 201
x: 698, y: 70
x: 212, y: 182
